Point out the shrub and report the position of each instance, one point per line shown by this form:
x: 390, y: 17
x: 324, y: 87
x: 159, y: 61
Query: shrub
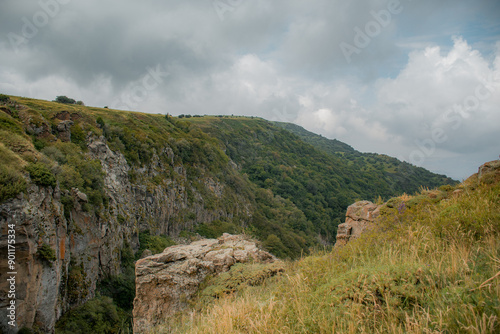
x: 97, y: 316
x: 100, y: 122
x: 275, y: 246
x: 46, y: 253
x: 65, y: 100
x: 78, y: 136
x: 11, y: 183
x: 41, y: 175
x: 155, y: 243
x: 4, y: 98
x: 216, y: 228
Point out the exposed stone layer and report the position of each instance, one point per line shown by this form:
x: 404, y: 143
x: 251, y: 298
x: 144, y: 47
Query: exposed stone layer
x: 359, y: 217
x: 166, y: 281
x: 87, y: 245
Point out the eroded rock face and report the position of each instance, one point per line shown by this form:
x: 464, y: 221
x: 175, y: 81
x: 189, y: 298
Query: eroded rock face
x: 87, y: 245
x: 165, y: 281
x: 359, y: 217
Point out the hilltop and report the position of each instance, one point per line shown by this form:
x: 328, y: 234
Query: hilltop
x: 90, y: 189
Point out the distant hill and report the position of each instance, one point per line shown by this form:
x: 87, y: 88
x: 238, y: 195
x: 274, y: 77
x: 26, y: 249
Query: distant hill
x: 402, y: 176
x: 331, y: 146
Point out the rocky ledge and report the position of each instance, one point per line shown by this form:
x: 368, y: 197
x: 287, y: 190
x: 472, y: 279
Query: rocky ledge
x: 166, y: 281
x: 359, y: 217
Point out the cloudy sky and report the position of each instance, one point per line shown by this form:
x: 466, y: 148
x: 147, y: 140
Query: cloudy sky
x: 418, y: 80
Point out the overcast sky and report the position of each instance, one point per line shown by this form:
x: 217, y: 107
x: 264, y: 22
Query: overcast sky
x: 417, y: 80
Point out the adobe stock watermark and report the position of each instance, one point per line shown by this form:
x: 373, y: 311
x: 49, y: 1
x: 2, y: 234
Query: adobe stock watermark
x: 222, y: 7
x: 454, y: 117
x: 31, y: 26
x: 373, y: 28
x: 141, y: 89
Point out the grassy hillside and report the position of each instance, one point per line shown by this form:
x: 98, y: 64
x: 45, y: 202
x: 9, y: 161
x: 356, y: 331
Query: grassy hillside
x: 297, y: 193
x: 401, y: 176
x: 305, y: 170
x: 431, y: 265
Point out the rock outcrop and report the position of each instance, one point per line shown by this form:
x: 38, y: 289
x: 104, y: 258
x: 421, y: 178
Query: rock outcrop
x: 166, y: 281
x: 87, y: 244
x: 487, y: 173
x: 359, y: 217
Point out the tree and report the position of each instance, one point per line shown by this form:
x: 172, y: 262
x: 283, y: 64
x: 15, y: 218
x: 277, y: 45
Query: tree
x: 65, y: 100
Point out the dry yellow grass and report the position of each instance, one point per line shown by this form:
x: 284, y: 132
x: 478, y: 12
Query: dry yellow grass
x: 435, y: 271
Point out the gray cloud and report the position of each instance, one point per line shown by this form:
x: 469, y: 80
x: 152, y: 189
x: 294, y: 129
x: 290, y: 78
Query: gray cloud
x: 281, y: 60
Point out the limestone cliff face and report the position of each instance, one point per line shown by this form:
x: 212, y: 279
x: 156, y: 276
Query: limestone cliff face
x: 359, y: 217
x: 87, y: 244
x: 166, y: 281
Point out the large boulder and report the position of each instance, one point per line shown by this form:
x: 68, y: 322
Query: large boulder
x: 488, y: 173
x: 166, y: 281
x: 359, y: 217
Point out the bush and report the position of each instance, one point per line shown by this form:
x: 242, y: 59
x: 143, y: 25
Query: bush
x: 216, y: 228
x: 155, y: 243
x: 100, y: 122
x: 65, y: 100
x: 46, y: 253
x: 11, y: 183
x: 99, y: 316
x: 275, y: 246
x: 41, y: 175
x: 121, y: 288
x: 4, y: 98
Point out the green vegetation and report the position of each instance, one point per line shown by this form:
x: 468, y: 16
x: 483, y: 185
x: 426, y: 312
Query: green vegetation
x: 4, y: 98
x: 11, y: 180
x: 41, y: 174
x: 67, y: 100
x: 155, y: 243
x: 46, y: 253
x: 430, y: 267
x: 216, y: 228
x: 237, y: 278
x: 98, y: 316
x: 290, y: 188
x: 318, y: 182
x: 391, y: 175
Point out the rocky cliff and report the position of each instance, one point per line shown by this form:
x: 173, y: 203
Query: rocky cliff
x: 87, y: 245
x: 167, y: 281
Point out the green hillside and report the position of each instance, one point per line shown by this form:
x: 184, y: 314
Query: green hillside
x: 150, y: 179
x: 399, y: 175
x: 297, y: 192
x: 302, y: 169
x: 430, y: 265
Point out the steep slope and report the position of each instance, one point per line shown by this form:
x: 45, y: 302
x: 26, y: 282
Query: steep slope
x: 430, y: 264
x: 319, y: 183
x: 401, y: 176
x: 83, y: 186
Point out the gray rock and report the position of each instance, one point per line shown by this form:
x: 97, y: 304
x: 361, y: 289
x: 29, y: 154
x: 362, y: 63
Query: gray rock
x: 166, y: 281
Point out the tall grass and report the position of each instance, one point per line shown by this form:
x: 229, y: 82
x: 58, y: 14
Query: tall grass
x: 431, y: 268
